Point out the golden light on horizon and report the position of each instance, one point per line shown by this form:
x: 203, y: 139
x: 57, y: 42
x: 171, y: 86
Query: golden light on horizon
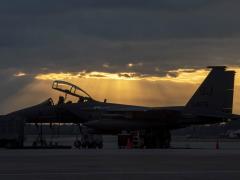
x: 134, y: 88
x: 90, y: 75
x: 173, y: 89
x: 178, y: 76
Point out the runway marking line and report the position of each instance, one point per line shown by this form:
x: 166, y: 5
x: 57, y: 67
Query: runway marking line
x: 125, y: 173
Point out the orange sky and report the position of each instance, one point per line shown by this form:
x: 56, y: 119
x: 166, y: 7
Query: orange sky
x: 175, y: 88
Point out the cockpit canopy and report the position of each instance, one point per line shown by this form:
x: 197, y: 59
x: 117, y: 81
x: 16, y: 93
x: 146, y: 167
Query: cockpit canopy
x: 72, y: 90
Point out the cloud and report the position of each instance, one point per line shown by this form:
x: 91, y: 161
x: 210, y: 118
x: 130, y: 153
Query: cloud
x: 83, y: 35
x: 20, y: 74
x: 59, y: 6
x: 178, y: 76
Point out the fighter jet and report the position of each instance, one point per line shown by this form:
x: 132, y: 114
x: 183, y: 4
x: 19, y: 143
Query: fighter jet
x: 211, y: 103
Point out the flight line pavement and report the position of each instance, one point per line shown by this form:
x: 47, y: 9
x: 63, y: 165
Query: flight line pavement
x: 120, y: 164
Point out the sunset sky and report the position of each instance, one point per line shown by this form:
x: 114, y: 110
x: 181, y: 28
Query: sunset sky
x: 150, y: 53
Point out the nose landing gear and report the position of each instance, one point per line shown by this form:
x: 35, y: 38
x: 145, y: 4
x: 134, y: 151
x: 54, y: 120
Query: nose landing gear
x: 87, y: 140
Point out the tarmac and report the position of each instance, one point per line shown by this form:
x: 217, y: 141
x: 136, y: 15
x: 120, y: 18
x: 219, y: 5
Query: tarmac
x: 127, y: 164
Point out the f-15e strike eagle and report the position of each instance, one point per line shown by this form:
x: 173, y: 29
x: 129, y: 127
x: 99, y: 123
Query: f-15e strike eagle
x: 211, y: 103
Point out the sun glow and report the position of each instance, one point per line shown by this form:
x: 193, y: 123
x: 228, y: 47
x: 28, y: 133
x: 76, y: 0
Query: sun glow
x: 20, y: 74
x: 178, y: 76
x: 142, y: 89
x: 90, y: 75
x: 135, y: 88
x: 174, y: 88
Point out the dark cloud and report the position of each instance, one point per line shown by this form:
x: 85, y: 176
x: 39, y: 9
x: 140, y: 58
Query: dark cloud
x: 45, y: 6
x: 10, y: 84
x: 131, y: 75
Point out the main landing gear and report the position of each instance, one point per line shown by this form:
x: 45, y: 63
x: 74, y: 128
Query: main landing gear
x: 87, y: 140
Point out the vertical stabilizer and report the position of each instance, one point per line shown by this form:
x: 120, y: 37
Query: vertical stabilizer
x: 215, y: 94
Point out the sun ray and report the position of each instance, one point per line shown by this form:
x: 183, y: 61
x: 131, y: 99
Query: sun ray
x: 174, y: 88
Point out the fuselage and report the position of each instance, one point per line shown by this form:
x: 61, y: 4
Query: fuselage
x: 112, y: 118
